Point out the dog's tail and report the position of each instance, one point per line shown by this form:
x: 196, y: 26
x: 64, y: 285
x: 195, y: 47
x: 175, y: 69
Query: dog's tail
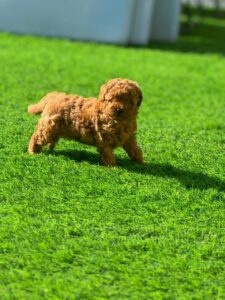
x: 36, y: 109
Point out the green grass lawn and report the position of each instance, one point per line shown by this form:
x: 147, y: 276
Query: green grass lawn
x: 73, y: 229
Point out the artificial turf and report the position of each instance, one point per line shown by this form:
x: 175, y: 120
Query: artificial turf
x: 72, y: 229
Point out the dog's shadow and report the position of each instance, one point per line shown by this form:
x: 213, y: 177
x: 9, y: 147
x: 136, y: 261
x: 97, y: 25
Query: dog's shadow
x: 189, y: 179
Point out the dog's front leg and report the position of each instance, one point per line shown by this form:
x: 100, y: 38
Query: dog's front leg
x: 107, y: 156
x: 133, y: 150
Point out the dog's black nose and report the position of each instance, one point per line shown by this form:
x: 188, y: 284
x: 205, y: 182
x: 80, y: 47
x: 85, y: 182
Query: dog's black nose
x: 140, y: 100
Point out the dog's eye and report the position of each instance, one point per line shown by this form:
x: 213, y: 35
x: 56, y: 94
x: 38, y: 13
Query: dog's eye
x: 119, y: 111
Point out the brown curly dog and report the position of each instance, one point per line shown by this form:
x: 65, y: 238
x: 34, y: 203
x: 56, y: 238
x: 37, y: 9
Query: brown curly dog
x: 107, y: 123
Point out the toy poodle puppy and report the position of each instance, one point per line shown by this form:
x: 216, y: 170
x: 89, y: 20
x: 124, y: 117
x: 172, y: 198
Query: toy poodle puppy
x: 107, y: 122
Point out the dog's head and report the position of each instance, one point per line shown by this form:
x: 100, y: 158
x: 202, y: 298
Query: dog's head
x: 122, y: 97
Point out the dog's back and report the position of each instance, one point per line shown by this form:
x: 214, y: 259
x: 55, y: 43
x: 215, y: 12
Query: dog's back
x: 36, y: 109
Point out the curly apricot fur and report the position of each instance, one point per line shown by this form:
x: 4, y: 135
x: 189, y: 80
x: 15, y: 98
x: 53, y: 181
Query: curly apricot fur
x: 107, y: 122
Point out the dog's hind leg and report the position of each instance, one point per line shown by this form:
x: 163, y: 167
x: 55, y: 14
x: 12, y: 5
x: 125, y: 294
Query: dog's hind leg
x: 134, y: 150
x: 35, y: 144
x: 107, y: 157
x: 51, y: 145
x: 45, y: 134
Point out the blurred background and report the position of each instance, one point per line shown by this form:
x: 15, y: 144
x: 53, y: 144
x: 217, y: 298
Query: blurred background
x: 125, y: 22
